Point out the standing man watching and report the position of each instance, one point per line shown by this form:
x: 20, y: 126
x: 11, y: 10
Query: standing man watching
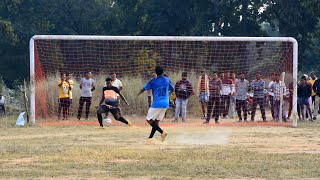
x: 271, y: 93
x: 313, y: 78
x: 118, y: 84
x: 70, y: 92
x: 225, y: 95
x: 86, y: 86
x: 316, y: 89
x: 2, y: 103
x: 242, y: 87
x: 258, y: 86
x: 183, y: 90
x: 203, y: 91
x: 215, y: 85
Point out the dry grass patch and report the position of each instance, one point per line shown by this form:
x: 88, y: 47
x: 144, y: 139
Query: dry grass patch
x: 119, y: 152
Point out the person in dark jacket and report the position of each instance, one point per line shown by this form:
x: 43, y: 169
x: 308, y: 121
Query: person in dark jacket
x: 316, y: 89
x: 183, y: 90
x: 304, y: 93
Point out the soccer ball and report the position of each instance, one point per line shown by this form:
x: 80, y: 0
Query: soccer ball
x: 108, y: 121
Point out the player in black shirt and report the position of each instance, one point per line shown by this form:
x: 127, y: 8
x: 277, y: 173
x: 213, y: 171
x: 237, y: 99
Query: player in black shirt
x: 109, y: 102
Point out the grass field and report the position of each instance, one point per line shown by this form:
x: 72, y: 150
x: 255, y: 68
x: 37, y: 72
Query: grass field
x: 191, y: 152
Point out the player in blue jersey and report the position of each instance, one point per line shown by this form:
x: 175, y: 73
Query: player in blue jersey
x: 160, y: 87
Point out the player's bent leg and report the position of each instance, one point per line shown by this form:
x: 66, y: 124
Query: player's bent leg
x: 153, y: 130
x: 122, y: 119
x: 101, y: 110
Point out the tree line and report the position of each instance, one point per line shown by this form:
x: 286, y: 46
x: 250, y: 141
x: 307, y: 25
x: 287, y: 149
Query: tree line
x: 21, y: 19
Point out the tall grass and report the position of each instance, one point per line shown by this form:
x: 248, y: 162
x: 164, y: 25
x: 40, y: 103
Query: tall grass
x: 138, y: 105
x: 131, y: 86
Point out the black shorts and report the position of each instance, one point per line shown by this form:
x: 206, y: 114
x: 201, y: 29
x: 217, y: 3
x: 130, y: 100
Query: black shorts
x: 64, y: 102
x: 113, y: 111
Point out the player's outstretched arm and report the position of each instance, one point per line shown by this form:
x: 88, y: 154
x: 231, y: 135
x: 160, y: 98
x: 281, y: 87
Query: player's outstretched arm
x: 141, y: 91
x: 124, y: 99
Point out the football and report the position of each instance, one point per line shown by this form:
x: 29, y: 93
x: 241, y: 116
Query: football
x: 108, y: 121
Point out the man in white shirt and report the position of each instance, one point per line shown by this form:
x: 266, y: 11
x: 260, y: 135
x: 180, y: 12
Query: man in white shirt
x: 271, y: 93
x: 86, y: 86
x: 2, y: 103
x: 116, y: 82
x: 278, y: 88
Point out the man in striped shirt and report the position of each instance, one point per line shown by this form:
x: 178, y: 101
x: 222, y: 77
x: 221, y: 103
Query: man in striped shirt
x: 276, y: 89
x: 225, y: 94
x: 214, y: 98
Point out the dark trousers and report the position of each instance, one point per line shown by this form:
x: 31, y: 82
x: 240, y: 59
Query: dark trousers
x: 257, y: 101
x: 242, y: 105
x: 213, y: 101
x: 272, y: 106
x: 83, y: 100
x: 290, y: 105
x: 225, y: 104
x: 276, y: 106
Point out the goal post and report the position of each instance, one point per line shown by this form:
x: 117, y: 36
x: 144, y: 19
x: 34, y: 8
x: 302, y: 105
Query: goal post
x: 163, y: 53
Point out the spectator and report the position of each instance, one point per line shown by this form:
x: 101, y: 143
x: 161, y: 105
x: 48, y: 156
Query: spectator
x: 290, y: 100
x: 225, y: 95
x: 277, y: 88
x: 305, y: 110
x: 215, y: 85
x: 2, y: 103
x: 203, y: 91
x: 233, y: 95
x: 183, y: 90
x: 242, y: 87
x: 304, y: 93
x: 313, y: 78
x: 86, y: 86
x: 116, y: 82
x: 70, y: 92
x: 271, y: 93
x: 258, y: 86
x: 64, y: 94
x: 316, y: 89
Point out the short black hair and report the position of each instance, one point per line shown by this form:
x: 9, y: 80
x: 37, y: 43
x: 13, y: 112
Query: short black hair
x: 303, y: 78
x: 159, y: 70
x: 184, y: 74
x: 108, y: 79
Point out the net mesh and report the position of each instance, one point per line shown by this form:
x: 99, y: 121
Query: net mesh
x: 134, y: 61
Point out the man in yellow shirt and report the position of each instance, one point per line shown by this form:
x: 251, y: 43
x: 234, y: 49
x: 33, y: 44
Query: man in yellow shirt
x: 313, y: 78
x: 64, y: 94
x: 70, y: 92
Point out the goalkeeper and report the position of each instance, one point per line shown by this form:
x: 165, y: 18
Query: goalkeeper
x: 109, y: 102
